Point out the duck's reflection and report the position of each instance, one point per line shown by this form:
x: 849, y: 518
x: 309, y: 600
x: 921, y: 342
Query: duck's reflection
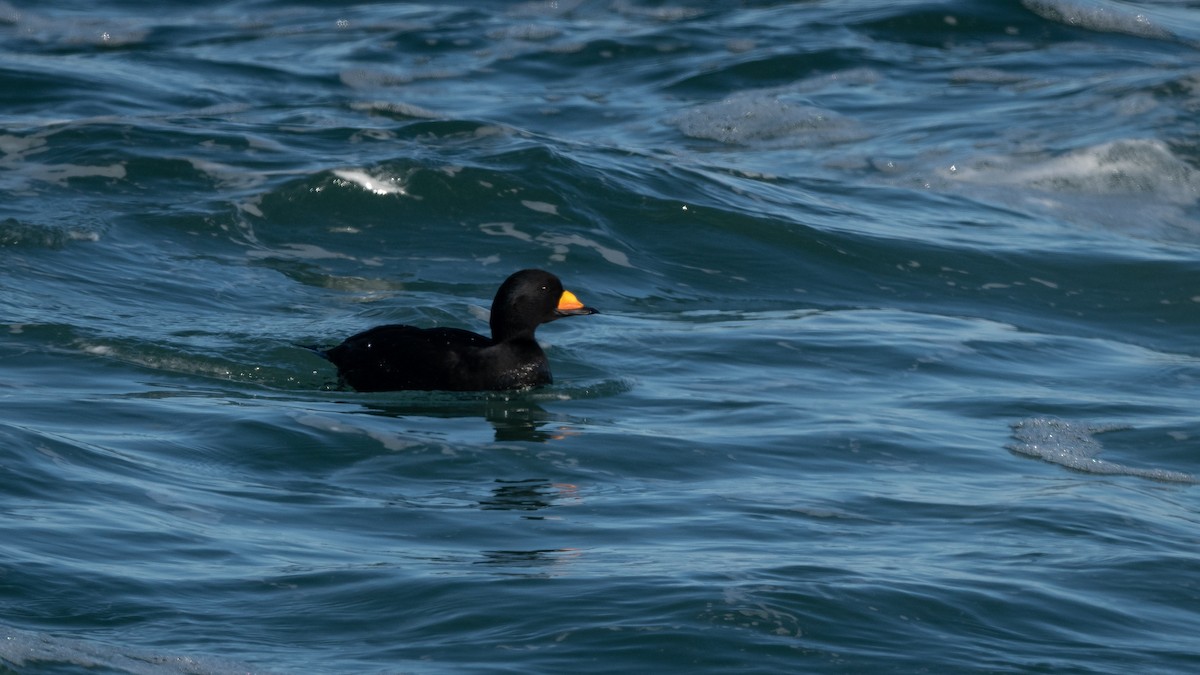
x: 531, y: 494
x: 537, y: 563
x: 528, y: 496
x: 510, y: 420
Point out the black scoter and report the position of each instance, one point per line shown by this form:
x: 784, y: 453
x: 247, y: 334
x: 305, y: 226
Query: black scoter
x: 397, y: 357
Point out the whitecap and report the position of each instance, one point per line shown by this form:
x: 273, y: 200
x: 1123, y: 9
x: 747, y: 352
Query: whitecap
x: 385, y: 186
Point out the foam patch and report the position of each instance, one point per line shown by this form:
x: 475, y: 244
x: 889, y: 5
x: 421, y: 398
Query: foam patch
x: 1074, y: 446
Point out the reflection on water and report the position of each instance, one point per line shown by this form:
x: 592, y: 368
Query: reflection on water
x: 540, y: 563
x: 530, y: 494
x: 511, y: 420
x: 527, y: 495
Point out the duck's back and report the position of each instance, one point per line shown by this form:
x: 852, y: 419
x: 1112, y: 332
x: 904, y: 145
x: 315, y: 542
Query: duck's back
x: 398, y: 357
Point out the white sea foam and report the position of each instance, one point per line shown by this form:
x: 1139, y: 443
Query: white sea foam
x: 560, y: 244
x: 19, y: 169
x: 1136, y: 186
x: 36, y: 651
x: 1107, y: 17
x: 1130, y: 167
x: 1073, y: 445
x: 17, y: 233
x: 756, y: 117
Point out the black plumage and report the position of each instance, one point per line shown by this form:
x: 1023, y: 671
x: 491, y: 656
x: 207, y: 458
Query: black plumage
x: 398, y: 357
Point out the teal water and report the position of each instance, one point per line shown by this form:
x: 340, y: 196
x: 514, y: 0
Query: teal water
x: 896, y: 370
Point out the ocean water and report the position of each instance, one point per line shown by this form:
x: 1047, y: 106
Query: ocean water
x: 896, y: 371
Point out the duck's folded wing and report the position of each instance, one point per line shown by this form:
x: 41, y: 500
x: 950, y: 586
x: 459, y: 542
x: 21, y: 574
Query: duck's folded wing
x: 398, y: 357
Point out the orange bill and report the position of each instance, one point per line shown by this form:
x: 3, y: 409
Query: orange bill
x: 569, y: 305
x: 568, y: 301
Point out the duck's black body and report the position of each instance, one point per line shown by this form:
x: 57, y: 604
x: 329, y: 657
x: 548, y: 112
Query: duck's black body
x: 396, y: 357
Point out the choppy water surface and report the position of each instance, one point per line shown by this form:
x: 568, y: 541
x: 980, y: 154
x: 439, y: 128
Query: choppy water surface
x: 874, y: 277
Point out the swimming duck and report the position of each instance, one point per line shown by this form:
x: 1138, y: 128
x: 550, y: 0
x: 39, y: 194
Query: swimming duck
x: 398, y: 357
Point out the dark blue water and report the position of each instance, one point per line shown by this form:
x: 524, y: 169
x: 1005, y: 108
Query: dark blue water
x: 897, y: 368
